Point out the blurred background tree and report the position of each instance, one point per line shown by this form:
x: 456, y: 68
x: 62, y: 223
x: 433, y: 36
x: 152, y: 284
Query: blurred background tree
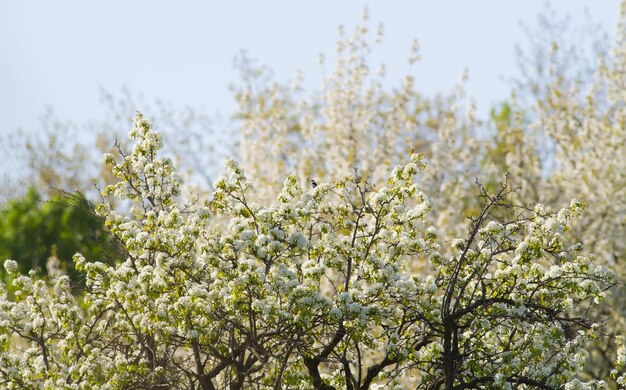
x: 32, y: 231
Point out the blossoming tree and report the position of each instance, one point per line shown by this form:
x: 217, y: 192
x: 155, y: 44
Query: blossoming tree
x: 315, y: 289
x: 564, y: 140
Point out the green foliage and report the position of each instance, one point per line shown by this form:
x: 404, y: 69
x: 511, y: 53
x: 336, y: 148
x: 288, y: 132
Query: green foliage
x: 33, y: 230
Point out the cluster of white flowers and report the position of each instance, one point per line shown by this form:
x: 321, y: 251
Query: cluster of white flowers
x: 10, y: 266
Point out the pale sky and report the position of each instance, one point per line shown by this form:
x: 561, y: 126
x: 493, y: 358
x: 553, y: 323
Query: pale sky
x: 60, y: 53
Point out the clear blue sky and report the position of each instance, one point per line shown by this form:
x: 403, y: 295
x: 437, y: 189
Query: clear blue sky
x: 60, y: 53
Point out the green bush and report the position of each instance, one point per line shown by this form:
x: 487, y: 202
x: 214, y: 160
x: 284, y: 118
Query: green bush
x: 33, y: 230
